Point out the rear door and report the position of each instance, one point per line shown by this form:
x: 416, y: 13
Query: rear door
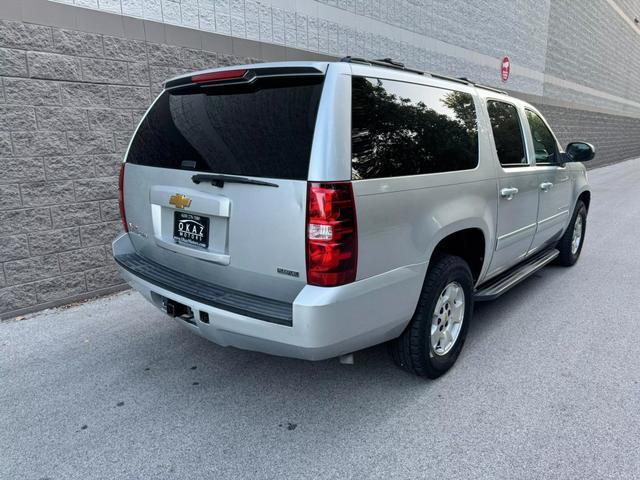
x: 517, y: 187
x: 554, y: 182
x: 215, y: 179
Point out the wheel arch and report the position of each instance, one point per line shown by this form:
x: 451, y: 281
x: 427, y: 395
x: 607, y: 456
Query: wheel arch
x: 585, y: 197
x: 467, y: 242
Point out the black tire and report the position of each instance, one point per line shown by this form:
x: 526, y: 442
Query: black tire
x: 413, y: 351
x: 567, y: 257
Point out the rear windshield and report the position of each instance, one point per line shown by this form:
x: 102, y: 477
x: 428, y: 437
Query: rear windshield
x: 261, y: 130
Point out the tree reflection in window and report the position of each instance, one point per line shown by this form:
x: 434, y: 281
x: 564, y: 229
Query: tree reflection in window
x: 507, y: 134
x: 544, y: 144
x: 401, y: 129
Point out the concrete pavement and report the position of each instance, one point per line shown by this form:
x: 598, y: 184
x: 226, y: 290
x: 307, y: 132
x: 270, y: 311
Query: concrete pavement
x: 547, y: 386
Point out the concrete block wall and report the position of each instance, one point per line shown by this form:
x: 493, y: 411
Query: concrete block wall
x: 614, y: 137
x: 436, y: 35
x: 631, y: 8
x: 604, y: 56
x: 69, y: 101
x: 68, y: 105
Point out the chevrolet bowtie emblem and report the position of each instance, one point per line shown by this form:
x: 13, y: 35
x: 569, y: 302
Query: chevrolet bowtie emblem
x: 179, y: 200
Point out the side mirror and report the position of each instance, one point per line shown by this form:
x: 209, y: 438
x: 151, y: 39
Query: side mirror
x: 579, y: 152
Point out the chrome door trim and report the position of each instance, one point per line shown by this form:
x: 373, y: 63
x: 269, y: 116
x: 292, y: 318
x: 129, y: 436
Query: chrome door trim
x: 553, y: 217
x: 511, y: 237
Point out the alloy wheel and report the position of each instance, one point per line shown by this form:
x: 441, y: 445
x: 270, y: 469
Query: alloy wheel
x: 448, y: 316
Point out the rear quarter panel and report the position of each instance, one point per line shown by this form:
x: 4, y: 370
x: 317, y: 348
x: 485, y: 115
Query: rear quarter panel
x: 401, y: 221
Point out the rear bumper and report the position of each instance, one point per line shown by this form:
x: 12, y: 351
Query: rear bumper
x: 325, y: 322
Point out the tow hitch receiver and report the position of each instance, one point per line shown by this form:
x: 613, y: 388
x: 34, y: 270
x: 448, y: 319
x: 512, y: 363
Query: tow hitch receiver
x: 176, y: 309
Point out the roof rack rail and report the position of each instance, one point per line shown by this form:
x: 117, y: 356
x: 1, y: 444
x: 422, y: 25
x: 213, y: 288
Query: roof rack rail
x: 390, y: 63
x: 485, y: 87
x: 382, y: 62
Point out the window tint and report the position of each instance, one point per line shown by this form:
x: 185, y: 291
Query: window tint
x: 262, y: 130
x: 544, y: 144
x: 507, y: 133
x: 406, y: 129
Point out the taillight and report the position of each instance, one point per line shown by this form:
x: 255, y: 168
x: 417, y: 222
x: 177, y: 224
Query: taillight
x: 121, y: 198
x: 332, y: 236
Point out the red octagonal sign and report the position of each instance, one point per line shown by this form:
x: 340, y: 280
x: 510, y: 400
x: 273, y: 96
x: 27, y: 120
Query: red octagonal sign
x: 505, y: 70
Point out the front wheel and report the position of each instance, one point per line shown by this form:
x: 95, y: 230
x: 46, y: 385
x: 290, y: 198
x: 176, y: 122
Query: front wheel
x: 432, y: 341
x: 570, y: 245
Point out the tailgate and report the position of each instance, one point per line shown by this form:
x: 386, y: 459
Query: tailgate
x: 215, y: 182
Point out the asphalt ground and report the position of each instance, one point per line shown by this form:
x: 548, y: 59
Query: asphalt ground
x: 547, y: 386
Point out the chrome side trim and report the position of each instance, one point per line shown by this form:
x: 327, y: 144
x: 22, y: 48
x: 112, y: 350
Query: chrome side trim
x: 553, y: 217
x: 516, y: 232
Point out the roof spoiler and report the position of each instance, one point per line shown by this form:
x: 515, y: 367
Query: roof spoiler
x: 240, y: 75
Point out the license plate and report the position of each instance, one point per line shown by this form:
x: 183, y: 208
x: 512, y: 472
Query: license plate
x: 191, y: 229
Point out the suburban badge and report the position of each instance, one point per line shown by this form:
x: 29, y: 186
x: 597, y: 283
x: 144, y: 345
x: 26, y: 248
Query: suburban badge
x: 180, y: 201
x: 285, y: 271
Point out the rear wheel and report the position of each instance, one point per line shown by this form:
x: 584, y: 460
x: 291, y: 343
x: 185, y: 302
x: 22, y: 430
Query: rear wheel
x: 570, y: 245
x: 432, y: 341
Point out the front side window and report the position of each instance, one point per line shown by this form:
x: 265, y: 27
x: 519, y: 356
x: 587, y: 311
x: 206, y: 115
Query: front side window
x: 544, y: 144
x: 507, y: 134
x: 402, y: 129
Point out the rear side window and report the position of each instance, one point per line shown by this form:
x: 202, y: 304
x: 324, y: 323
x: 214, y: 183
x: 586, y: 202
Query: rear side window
x: 262, y: 130
x: 402, y: 128
x: 507, y: 133
x: 544, y: 143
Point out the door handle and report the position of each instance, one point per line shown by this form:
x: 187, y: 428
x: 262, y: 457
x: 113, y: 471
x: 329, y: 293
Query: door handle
x: 546, y: 186
x: 509, y: 192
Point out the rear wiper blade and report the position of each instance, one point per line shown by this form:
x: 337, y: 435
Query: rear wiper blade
x: 219, y: 180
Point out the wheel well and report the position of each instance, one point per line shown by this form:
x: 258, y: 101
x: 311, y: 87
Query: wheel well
x: 468, y: 244
x: 586, y: 198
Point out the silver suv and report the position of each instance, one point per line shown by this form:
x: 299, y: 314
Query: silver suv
x: 313, y: 209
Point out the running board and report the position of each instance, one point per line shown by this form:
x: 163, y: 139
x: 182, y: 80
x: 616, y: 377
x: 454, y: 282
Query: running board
x: 495, y: 288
